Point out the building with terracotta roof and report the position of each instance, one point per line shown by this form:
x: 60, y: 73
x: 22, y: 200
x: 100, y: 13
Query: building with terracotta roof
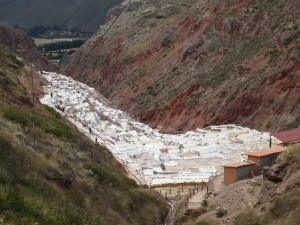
x: 237, y: 171
x: 264, y: 157
x: 287, y: 137
x: 256, y: 161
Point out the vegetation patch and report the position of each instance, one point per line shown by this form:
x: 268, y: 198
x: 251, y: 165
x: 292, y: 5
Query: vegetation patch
x: 15, y: 115
x: 248, y: 218
x: 151, y: 91
x: 221, y: 212
x: 56, y: 127
x: 55, y: 46
x: 194, y: 99
x: 285, y: 204
x: 166, y: 42
x: 108, y: 176
x: 191, y: 214
x: 53, y: 111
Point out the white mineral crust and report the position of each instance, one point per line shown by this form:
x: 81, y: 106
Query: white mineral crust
x: 151, y: 157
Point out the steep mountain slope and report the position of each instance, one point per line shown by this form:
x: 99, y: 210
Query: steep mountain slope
x: 178, y: 66
x: 52, y: 174
x: 17, y: 42
x: 86, y: 15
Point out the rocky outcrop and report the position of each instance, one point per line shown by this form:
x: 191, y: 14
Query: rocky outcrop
x: 17, y: 42
x: 179, y: 67
x: 277, y: 172
x: 286, y: 170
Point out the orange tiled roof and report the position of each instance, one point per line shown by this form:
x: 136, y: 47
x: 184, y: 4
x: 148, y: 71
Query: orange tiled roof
x: 265, y: 152
x: 239, y: 164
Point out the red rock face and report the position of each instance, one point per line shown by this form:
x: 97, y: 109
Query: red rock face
x: 210, y: 63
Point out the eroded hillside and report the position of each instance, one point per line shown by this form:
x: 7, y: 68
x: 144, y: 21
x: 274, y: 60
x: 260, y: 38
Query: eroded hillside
x: 178, y: 66
x: 50, y: 173
x: 17, y: 42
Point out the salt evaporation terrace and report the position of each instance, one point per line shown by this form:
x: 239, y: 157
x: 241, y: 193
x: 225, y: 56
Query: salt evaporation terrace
x: 150, y: 157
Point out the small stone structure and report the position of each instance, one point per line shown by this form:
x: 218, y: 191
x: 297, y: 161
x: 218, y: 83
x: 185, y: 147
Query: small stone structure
x: 237, y: 171
x: 253, y: 167
x: 264, y: 157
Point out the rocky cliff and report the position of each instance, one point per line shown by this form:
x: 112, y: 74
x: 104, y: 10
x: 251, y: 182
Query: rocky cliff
x: 17, y: 42
x: 178, y: 66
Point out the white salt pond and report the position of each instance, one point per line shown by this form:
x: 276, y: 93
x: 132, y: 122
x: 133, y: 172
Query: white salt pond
x: 151, y: 158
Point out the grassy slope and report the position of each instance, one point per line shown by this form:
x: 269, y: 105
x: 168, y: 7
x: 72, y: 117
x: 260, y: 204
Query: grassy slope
x: 86, y: 15
x: 285, y: 206
x: 51, y: 174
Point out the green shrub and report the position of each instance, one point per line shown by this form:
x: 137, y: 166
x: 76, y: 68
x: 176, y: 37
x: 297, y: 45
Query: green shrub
x: 204, y: 203
x: 151, y: 91
x: 221, y: 212
x: 256, y: 184
x: 166, y: 42
x: 159, y: 17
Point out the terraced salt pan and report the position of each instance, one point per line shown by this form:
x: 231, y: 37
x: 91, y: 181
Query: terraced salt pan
x: 151, y: 157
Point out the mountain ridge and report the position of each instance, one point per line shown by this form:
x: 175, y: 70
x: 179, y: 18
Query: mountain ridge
x: 85, y: 15
x: 181, y: 66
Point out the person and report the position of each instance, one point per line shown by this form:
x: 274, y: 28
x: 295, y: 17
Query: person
x: 51, y: 94
x: 96, y: 140
x: 90, y: 130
